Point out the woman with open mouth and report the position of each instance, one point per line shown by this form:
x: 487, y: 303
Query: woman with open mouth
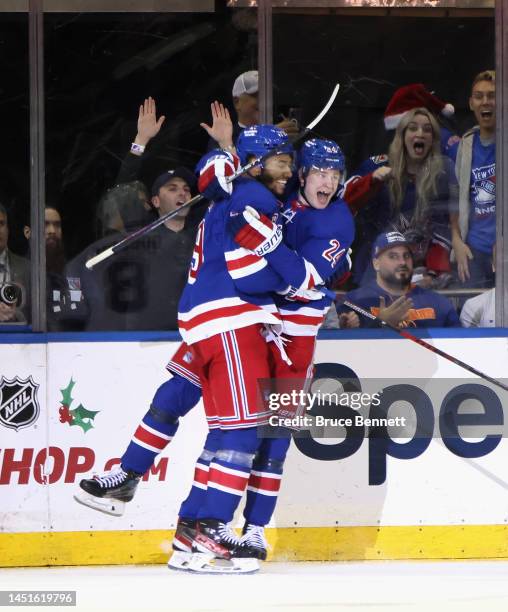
x: 411, y: 189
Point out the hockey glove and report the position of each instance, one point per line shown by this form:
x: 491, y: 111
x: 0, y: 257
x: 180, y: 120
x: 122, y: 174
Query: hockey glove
x: 214, y: 168
x: 255, y: 232
x: 293, y: 294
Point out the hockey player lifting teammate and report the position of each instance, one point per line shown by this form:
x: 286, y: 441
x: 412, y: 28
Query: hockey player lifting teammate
x: 225, y: 320
x: 255, y: 259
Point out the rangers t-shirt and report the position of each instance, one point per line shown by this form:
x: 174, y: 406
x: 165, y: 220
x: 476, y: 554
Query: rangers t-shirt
x: 482, y: 217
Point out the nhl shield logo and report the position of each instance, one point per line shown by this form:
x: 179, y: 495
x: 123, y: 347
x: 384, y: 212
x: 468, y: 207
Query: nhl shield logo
x: 19, y: 406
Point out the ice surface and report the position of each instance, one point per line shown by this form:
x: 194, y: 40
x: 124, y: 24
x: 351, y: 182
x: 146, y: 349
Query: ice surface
x: 302, y: 587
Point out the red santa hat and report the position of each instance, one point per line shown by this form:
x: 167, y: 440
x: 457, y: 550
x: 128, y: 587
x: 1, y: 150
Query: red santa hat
x: 413, y: 96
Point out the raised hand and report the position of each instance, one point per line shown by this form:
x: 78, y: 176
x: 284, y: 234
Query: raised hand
x: 148, y: 124
x: 290, y: 126
x: 221, y: 129
x: 382, y: 174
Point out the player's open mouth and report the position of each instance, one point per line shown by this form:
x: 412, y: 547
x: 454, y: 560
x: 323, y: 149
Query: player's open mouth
x: 323, y: 197
x: 180, y: 204
x: 486, y: 114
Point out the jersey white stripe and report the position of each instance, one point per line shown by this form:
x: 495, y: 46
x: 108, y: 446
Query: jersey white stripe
x: 209, y: 306
x: 239, y: 367
x: 212, y: 327
x: 248, y: 270
x: 178, y: 369
x: 231, y: 376
x: 238, y: 254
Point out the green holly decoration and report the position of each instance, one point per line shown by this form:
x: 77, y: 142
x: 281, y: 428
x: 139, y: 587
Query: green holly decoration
x: 80, y: 416
x: 66, y: 393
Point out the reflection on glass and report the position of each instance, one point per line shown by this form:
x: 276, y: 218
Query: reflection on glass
x: 125, y: 98
x: 14, y: 278
x: 15, y: 302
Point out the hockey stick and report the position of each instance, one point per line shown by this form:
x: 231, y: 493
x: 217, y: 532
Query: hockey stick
x: 142, y: 231
x: 405, y: 334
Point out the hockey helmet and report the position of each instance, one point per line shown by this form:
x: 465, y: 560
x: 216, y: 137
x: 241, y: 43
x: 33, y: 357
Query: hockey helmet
x: 260, y: 140
x: 322, y: 154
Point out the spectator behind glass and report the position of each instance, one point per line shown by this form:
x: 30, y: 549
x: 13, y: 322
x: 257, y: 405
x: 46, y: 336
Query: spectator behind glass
x: 416, y: 95
x: 63, y: 303
x: 138, y: 288
x: 391, y: 296
x: 245, y: 101
x: 480, y: 311
x: 123, y: 208
x: 410, y: 192
x: 55, y: 253
x: 148, y: 127
x: 14, y: 279
x: 473, y: 221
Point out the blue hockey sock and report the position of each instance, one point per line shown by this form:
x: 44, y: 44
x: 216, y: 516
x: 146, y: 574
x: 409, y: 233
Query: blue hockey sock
x: 190, y: 506
x: 173, y: 399
x: 229, y: 473
x: 264, y: 482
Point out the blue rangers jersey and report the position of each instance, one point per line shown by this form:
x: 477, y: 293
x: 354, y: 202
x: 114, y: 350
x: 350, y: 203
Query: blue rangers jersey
x: 230, y: 287
x: 322, y: 238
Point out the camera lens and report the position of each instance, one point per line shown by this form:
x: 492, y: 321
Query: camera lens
x: 9, y: 293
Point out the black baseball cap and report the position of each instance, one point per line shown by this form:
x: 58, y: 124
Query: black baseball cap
x: 180, y: 172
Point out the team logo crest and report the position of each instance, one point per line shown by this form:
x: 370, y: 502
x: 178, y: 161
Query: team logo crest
x: 19, y: 406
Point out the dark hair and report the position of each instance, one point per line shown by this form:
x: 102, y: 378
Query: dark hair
x: 53, y: 207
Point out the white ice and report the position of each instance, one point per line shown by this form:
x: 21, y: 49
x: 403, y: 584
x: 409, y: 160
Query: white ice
x: 300, y: 587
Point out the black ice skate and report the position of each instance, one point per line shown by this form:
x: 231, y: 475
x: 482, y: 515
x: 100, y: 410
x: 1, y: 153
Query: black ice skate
x: 182, y: 544
x: 253, y: 542
x: 108, y: 492
x: 216, y: 550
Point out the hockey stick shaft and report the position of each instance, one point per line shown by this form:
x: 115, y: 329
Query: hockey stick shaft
x: 142, y: 231
x: 405, y: 334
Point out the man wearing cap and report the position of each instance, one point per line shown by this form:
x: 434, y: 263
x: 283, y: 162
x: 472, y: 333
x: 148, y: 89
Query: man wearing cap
x: 245, y: 101
x: 164, y: 255
x: 392, y: 298
x: 139, y: 288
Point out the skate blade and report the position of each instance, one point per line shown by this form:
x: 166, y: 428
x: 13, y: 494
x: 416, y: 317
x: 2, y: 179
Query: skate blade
x: 103, y: 504
x: 208, y: 563
x: 180, y: 560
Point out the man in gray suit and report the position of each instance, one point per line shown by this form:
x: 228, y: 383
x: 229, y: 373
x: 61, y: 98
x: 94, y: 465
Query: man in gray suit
x: 13, y: 270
